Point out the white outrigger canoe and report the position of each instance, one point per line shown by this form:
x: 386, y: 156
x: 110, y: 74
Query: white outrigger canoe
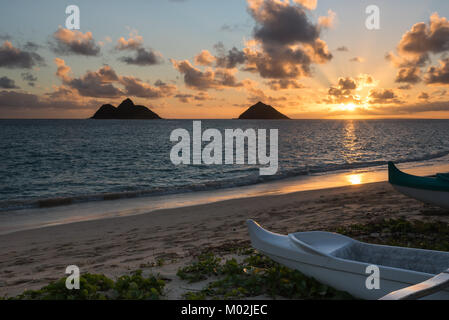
x: 341, y: 262
x: 432, y: 190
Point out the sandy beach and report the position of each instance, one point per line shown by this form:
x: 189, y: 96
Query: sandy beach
x: 31, y: 259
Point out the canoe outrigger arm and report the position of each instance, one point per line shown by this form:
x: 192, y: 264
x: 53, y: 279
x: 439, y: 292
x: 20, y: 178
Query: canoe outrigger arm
x: 421, y: 290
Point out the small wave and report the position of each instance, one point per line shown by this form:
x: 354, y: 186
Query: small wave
x: 254, y: 178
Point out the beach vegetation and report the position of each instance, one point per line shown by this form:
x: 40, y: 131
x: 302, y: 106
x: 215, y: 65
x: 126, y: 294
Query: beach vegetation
x: 257, y: 275
x: 100, y: 287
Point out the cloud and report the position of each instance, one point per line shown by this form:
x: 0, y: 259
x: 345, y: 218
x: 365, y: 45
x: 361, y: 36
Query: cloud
x: 17, y: 99
x: 424, y: 96
x: 284, y: 84
x: 405, y: 87
x: 7, y: 83
x: 5, y: 36
x: 345, y: 90
x: 63, y: 70
x: 308, y: 4
x: 203, y: 80
x: 423, y: 38
x: 285, y: 43
x: 357, y: 59
x: 204, y: 58
x: 416, y: 46
x: 231, y: 28
x: 409, y: 75
x: 137, y: 88
x: 327, y: 21
x: 143, y: 57
x: 228, y: 59
x: 74, y: 42
x: 27, y: 76
x: 256, y: 94
x: 281, y: 23
x: 22, y: 104
x: 438, y: 106
x: 343, y: 49
x: 133, y: 43
x: 105, y: 83
x: 97, y: 84
x: 187, y: 97
x: 383, y: 96
x: 438, y: 75
x: 11, y: 57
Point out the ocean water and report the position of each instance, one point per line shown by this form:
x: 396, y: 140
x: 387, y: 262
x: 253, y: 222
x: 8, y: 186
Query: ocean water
x: 47, y: 162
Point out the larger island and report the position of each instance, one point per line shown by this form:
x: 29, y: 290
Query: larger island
x: 126, y: 110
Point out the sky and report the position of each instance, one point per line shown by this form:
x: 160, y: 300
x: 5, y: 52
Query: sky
x: 214, y: 58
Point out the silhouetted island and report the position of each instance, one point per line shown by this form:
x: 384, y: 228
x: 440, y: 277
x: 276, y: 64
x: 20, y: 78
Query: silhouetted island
x: 262, y: 111
x: 126, y: 110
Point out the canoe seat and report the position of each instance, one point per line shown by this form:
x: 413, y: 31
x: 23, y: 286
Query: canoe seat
x: 431, y: 262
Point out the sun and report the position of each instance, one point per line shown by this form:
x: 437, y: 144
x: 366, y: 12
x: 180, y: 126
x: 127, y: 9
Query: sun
x: 348, y: 107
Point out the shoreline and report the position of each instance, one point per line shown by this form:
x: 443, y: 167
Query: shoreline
x: 31, y: 259
x: 34, y: 218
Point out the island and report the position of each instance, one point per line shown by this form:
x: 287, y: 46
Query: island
x: 126, y: 110
x: 262, y: 111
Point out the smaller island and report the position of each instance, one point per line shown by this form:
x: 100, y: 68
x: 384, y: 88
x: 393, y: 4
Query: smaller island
x: 126, y: 110
x: 262, y: 111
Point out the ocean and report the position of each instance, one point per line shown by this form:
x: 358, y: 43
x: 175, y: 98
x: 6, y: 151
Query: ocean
x: 51, y: 162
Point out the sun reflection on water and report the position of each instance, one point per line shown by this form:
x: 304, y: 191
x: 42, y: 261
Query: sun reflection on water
x: 354, y: 178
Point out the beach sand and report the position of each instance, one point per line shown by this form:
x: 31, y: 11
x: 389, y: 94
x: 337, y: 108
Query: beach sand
x: 115, y: 246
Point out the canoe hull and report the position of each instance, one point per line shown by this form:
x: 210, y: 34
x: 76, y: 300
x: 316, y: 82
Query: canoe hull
x: 343, y: 275
x: 438, y: 198
x: 429, y: 190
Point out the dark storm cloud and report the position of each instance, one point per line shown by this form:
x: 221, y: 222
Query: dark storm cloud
x: 11, y: 57
x: 7, y: 83
x: 289, y: 41
x: 281, y: 24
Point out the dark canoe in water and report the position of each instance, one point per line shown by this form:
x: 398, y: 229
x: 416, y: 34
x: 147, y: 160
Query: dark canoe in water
x: 432, y: 190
